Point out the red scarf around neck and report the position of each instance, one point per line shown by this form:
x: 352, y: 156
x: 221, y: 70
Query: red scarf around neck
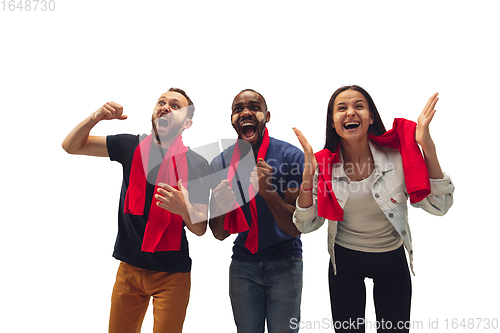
x: 163, y: 229
x: 235, y: 220
x: 401, y: 136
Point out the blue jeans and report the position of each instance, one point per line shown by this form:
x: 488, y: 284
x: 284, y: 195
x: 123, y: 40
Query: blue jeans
x: 266, y: 290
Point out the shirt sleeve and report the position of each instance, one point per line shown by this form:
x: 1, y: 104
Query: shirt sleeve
x: 120, y: 146
x: 439, y: 201
x: 307, y: 219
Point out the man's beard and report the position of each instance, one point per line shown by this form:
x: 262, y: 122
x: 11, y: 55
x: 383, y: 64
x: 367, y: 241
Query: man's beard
x: 171, y: 133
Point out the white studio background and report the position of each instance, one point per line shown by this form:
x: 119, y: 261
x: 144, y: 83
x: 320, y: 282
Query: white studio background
x: 59, y: 211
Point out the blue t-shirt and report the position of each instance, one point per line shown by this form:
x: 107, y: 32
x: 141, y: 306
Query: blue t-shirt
x: 131, y: 228
x: 287, y: 162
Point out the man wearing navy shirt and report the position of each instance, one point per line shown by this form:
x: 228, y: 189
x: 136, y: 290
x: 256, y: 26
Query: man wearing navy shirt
x: 256, y: 198
x: 162, y: 192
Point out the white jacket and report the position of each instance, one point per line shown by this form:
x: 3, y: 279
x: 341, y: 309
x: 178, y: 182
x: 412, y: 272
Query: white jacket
x: 389, y: 191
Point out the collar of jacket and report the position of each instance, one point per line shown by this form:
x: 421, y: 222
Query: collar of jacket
x: 380, y: 158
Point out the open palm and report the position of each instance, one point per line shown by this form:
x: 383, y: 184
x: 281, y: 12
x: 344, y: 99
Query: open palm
x: 422, y: 135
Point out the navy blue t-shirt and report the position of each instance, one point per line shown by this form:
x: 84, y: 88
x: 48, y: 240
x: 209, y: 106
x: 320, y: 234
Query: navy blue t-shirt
x: 288, y: 164
x: 131, y: 228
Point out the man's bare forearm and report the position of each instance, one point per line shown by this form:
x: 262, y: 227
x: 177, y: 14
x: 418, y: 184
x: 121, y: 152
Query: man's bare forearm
x: 282, y: 212
x: 216, y: 223
x: 79, y: 136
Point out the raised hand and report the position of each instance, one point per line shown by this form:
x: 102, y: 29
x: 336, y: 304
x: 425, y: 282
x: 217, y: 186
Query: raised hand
x: 309, y: 160
x: 423, y: 138
x: 422, y: 135
x: 109, y: 111
x: 79, y: 141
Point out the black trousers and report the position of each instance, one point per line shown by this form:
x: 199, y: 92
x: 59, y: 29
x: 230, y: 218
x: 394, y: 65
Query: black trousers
x: 391, y: 290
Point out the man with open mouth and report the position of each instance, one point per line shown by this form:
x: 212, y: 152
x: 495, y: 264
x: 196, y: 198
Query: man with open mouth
x: 162, y: 192
x: 256, y: 202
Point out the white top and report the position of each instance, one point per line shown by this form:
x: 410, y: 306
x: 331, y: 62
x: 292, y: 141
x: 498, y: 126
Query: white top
x: 365, y: 227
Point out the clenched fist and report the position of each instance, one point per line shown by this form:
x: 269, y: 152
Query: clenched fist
x: 224, y: 197
x: 109, y: 111
x: 261, y: 178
